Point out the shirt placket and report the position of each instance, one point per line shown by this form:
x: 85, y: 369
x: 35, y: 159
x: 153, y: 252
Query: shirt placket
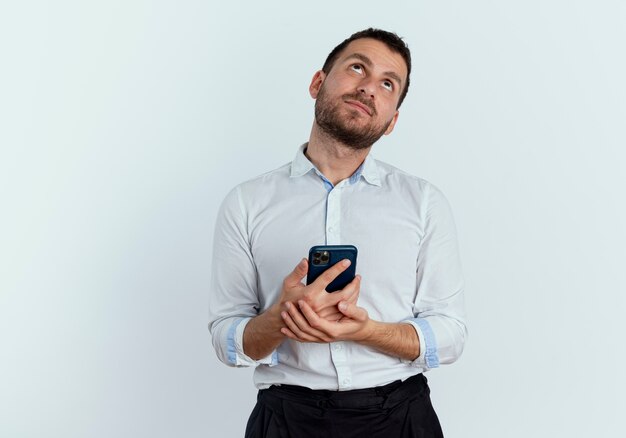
x: 333, y: 237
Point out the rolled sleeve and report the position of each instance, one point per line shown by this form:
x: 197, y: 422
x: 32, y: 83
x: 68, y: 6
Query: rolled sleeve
x: 239, y: 357
x: 428, y: 357
x: 439, y: 307
x: 233, y: 297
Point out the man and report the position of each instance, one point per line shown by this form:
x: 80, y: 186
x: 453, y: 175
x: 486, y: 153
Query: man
x: 350, y: 362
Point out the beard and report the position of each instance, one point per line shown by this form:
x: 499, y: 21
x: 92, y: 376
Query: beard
x: 345, y: 129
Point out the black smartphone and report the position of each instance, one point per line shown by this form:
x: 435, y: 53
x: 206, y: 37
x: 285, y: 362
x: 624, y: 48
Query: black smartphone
x: 322, y: 257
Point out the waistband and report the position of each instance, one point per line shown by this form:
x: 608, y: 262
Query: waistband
x: 357, y: 398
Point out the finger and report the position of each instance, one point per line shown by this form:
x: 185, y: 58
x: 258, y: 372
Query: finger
x: 314, y: 321
x: 327, y: 312
x: 295, y: 330
x: 285, y: 331
x: 353, y: 311
x: 295, y: 277
x: 351, y: 289
x: 353, y: 298
x: 333, y: 272
x: 346, y: 293
x: 330, y: 314
x: 302, y: 324
x: 322, y: 301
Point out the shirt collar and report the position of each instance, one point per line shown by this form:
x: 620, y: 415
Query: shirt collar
x: 301, y: 164
x: 368, y: 170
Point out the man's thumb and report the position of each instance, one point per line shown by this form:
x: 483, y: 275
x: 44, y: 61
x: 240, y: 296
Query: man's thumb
x: 298, y: 272
x: 350, y: 310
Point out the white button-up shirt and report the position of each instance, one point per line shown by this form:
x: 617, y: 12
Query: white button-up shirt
x: 407, y: 256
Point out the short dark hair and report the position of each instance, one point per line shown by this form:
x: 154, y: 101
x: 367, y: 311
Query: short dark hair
x: 390, y: 39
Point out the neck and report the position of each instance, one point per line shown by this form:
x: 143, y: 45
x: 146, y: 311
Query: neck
x: 335, y: 160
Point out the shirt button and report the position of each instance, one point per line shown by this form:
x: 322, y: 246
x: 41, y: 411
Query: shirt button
x: 331, y: 229
x: 337, y: 347
x: 346, y: 381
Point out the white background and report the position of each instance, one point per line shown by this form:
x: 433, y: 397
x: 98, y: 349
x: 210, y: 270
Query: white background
x: 124, y: 123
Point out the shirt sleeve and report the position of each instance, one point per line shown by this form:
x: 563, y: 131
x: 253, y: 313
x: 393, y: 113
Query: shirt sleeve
x: 233, y: 295
x: 439, y: 307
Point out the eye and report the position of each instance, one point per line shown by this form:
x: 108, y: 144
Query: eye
x: 357, y: 68
x: 388, y: 85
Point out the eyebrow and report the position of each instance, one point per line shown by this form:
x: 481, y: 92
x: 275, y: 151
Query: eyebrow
x: 365, y: 60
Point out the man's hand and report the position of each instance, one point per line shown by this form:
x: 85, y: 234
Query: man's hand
x: 305, y: 325
x: 314, y: 294
x: 395, y: 339
x: 263, y: 333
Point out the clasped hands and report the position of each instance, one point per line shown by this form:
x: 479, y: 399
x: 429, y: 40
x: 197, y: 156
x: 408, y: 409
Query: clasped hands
x: 311, y: 314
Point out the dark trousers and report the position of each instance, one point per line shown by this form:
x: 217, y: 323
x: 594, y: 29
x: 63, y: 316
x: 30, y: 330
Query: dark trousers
x: 397, y: 410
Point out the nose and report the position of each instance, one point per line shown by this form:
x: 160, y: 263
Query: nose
x: 367, y: 88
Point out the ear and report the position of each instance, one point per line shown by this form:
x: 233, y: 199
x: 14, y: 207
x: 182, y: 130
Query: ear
x: 393, y: 123
x: 316, y: 83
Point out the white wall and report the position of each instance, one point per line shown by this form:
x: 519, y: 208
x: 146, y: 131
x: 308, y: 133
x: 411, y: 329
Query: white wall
x: 123, y: 124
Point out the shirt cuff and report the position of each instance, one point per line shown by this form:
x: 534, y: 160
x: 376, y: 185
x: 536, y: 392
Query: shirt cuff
x: 428, y: 358
x: 236, y: 356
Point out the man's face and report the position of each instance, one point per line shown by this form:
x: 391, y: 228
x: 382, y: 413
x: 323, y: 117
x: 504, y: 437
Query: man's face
x: 356, y: 102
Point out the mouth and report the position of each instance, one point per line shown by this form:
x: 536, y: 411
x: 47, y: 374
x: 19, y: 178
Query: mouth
x: 360, y: 106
